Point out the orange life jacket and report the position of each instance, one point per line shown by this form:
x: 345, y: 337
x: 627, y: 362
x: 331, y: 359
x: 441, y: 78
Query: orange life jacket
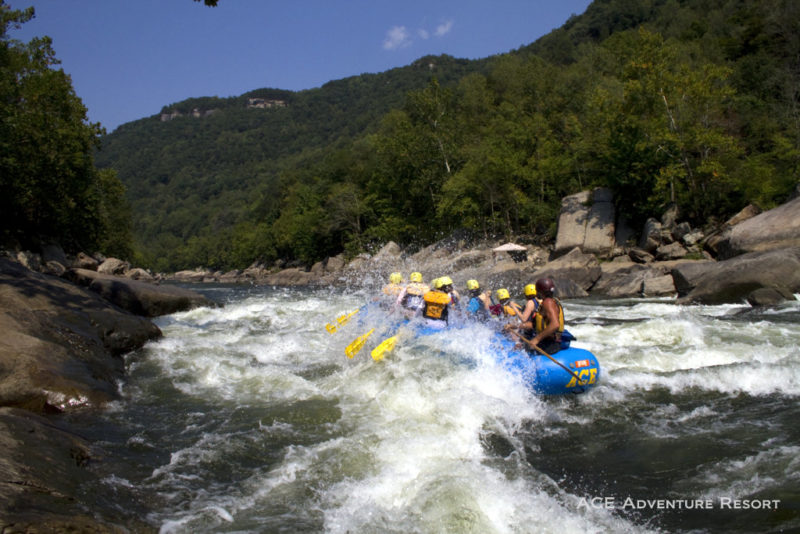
x: 436, y: 303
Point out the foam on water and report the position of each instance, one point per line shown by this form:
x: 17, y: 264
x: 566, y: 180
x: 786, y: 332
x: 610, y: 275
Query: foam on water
x: 281, y: 428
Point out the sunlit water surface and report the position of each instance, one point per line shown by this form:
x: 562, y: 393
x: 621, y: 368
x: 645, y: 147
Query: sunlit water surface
x: 249, y: 418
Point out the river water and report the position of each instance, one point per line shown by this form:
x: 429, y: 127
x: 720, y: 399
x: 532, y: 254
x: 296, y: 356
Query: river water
x: 249, y: 418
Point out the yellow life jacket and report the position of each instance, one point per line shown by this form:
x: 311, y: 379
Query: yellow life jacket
x: 510, y: 309
x: 541, y: 320
x: 392, y: 289
x: 436, y: 305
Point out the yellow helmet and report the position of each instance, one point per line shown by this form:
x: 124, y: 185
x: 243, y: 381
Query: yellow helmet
x: 396, y: 278
x: 416, y: 277
x: 530, y: 290
x: 502, y: 294
x: 445, y: 281
x: 473, y: 284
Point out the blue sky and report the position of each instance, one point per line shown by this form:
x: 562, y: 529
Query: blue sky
x: 129, y: 58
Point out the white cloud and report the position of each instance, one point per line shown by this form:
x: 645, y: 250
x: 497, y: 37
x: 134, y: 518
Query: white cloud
x: 423, y: 34
x: 397, y: 37
x: 444, y: 28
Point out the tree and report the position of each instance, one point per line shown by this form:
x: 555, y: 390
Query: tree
x: 49, y: 187
x: 668, y: 126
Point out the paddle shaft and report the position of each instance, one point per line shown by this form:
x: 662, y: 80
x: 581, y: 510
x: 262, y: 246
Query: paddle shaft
x: 536, y: 347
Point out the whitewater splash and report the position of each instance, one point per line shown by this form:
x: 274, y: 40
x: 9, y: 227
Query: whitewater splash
x: 250, y: 418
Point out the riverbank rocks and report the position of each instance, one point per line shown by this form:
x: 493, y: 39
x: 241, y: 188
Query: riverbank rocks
x: 737, y: 279
x: 770, y: 230
x: 139, y: 297
x: 42, y: 469
x: 59, y: 343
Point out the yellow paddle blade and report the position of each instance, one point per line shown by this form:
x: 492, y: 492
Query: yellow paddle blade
x: 387, y: 345
x: 342, y: 319
x: 357, y: 344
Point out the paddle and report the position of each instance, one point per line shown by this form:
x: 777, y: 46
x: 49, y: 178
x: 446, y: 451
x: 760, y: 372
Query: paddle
x: 387, y: 345
x: 536, y: 347
x: 342, y: 319
x: 358, y: 343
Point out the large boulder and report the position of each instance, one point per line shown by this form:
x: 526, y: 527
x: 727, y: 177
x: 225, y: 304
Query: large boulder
x: 686, y: 275
x: 138, y: 297
x: 620, y: 279
x: 59, y: 343
x: 586, y: 221
x: 580, y: 268
x: 736, y: 279
x: 770, y: 230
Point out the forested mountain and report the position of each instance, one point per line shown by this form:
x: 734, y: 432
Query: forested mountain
x: 692, y: 102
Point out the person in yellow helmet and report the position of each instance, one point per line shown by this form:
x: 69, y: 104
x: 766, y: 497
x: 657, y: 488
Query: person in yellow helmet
x: 526, y: 316
x: 410, y: 299
x: 479, y: 302
x: 438, y: 302
x: 395, y: 285
x: 509, y: 308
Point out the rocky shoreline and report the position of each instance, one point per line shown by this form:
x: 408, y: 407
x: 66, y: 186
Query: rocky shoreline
x: 67, y: 323
x: 752, y: 257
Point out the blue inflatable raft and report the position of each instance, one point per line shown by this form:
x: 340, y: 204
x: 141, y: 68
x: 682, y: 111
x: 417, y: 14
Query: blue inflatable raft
x: 571, y: 370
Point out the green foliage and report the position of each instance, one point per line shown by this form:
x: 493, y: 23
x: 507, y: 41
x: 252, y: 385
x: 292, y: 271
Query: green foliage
x: 691, y: 102
x: 49, y: 187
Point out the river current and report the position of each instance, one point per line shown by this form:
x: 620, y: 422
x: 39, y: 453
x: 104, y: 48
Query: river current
x: 250, y: 418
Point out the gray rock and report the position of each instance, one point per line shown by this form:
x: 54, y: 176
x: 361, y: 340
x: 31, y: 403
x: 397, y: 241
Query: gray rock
x: 587, y: 221
x: 658, y: 286
x: 291, y: 277
x: 583, y: 269
x: 640, y: 256
x: 621, y: 285
x: 137, y: 297
x: 137, y: 273
x: 773, y: 229
x: 30, y: 260
x: 733, y: 280
x: 54, y: 253
x: 673, y: 251
x: 84, y: 261
x: 572, y: 222
x: 651, y: 237
x: 60, y: 341
x: 686, y: 275
x: 335, y: 264
x: 769, y: 296
x: 692, y: 238
x: 45, y: 470
x: 113, y: 266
